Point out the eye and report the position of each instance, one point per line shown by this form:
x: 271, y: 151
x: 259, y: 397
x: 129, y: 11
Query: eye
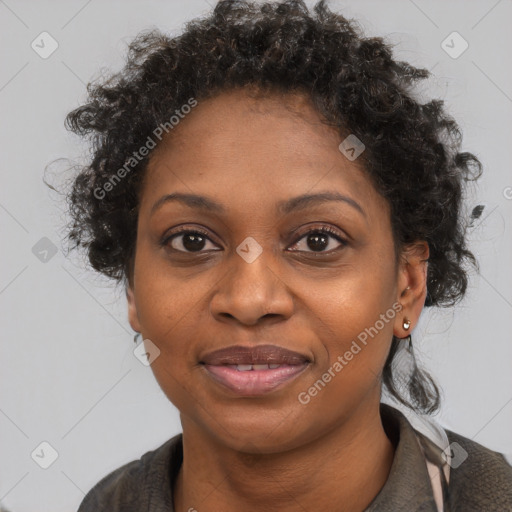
x: 317, y: 240
x: 187, y: 240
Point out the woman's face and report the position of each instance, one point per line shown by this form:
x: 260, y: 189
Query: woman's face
x: 333, y: 302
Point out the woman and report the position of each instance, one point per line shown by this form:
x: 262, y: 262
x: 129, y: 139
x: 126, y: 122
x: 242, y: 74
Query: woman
x: 280, y: 208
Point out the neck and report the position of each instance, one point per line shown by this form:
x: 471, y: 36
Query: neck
x: 347, y: 466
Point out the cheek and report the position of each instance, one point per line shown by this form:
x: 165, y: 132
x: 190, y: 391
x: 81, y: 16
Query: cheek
x: 349, y: 370
x: 353, y: 359
x: 353, y: 318
x: 353, y: 303
x: 172, y: 313
x: 167, y: 299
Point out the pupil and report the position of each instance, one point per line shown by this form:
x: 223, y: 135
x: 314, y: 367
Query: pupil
x: 317, y: 242
x: 193, y: 242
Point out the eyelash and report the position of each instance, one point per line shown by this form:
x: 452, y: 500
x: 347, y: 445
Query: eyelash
x: 322, y: 229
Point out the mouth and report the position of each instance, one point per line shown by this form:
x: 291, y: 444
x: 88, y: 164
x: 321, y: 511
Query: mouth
x: 254, y: 371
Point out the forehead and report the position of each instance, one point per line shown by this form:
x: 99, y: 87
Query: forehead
x: 268, y: 148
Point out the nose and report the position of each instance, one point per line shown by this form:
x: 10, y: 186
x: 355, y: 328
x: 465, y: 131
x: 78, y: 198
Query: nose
x: 252, y: 291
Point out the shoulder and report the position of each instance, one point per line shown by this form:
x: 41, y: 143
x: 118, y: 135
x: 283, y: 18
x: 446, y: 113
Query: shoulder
x: 133, y: 486
x: 479, y: 478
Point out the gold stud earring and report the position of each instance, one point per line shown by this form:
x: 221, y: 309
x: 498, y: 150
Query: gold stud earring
x: 406, y: 324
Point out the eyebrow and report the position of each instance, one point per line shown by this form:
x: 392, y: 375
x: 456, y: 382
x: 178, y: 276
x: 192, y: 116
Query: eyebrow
x: 284, y: 207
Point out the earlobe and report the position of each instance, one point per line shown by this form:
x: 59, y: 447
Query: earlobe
x: 133, y: 317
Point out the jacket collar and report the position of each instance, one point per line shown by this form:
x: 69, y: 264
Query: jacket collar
x: 408, y: 487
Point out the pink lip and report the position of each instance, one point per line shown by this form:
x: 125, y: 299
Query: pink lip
x: 254, y: 382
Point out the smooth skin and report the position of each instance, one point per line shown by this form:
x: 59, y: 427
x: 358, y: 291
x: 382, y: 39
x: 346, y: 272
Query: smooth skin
x: 270, y: 452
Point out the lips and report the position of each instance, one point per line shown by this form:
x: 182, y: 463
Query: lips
x: 253, y: 371
x: 261, y: 354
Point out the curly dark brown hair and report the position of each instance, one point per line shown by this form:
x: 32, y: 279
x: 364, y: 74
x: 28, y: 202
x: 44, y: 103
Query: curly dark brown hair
x: 412, y: 150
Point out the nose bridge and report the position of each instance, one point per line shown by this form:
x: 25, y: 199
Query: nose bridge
x: 251, y: 288
x: 250, y: 270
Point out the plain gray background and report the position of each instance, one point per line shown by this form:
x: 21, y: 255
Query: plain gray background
x: 68, y: 375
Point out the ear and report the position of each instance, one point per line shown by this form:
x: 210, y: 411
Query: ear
x: 133, y: 317
x: 412, y: 285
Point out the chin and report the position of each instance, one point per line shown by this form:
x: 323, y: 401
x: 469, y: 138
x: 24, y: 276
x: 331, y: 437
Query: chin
x: 260, y: 433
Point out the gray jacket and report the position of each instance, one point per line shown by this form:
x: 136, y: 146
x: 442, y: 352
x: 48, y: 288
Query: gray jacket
x: 482, y: 482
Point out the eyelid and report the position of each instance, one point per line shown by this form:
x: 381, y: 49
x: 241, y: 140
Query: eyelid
x: 323, y: 228
x: 189, y: 229
x: 329, y: 231
x: 185, y: 229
